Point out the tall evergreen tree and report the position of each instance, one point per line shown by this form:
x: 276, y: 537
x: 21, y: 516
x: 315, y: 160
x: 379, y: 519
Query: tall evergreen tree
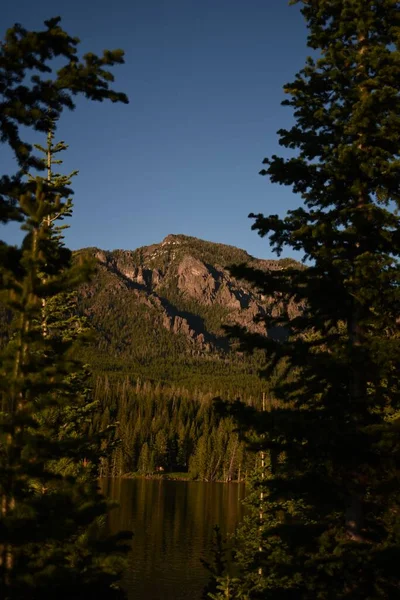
x: 329, y: 523
x: 60, y: 319
x: 31, y: 98
x: 49, y: 537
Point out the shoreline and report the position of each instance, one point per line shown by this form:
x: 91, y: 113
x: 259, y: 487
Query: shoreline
x: 170, y: 477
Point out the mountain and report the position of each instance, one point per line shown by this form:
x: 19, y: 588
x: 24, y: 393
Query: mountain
x: 169, y: 301
x: 158, y: 354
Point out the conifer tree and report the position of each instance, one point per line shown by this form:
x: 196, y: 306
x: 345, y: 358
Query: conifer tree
x: 31, y: 98
x: 330, y: 515
x: 60, y: 319
x: 49, y: 537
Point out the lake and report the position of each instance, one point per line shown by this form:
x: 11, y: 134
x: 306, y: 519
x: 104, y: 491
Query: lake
x: 172, y: 522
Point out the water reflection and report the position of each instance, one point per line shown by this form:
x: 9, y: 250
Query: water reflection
x: 172, y: 523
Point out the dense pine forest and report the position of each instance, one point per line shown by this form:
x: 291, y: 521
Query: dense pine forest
x: 166, y: 429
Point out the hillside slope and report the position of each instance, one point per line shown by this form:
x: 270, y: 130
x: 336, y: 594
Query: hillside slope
x: 171, y: 299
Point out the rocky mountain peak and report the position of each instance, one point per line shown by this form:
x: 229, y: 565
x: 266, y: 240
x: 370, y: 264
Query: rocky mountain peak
x: 182, y: 287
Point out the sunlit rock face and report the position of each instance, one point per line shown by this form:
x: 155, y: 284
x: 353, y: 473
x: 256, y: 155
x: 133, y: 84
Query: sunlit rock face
x: 184, y: 286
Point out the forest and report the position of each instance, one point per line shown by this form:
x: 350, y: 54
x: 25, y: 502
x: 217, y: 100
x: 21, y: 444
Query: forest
x: 321, y: 461
x: 166, y: 429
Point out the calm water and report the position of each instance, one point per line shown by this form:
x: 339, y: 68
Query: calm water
x: 172, y: 523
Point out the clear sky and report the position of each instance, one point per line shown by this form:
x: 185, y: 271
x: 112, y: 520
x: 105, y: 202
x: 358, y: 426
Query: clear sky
x: 204, y: 79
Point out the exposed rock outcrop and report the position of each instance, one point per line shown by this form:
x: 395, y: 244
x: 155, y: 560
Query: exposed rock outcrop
x: 186, y: 284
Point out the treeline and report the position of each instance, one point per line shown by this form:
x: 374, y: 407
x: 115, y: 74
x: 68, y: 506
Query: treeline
x: 166, y: 428
x: 53, y: 542
x: 216, y: 375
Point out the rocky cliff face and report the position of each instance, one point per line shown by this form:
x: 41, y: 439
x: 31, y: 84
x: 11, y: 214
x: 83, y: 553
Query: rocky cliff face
x: 181, y: 286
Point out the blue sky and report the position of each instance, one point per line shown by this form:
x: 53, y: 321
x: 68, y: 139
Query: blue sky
x: 204, y: 79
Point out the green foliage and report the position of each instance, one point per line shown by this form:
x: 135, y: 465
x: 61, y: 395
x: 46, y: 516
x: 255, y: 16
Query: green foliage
x: 46, y: 513
x: 166, y: 428
x: 227, y: 588
x: 51, y: 522
x: 217, y: 566
x: 36, y: 100
x: 330, y: 503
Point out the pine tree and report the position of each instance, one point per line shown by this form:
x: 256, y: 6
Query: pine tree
x: 217, y: 566
x: 50, y: 541
x: 35, y: 100
x: 330, y: 514
x: 60, y: 319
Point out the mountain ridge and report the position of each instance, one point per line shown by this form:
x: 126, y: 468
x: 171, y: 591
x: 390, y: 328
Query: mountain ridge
x: 181, y: 289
